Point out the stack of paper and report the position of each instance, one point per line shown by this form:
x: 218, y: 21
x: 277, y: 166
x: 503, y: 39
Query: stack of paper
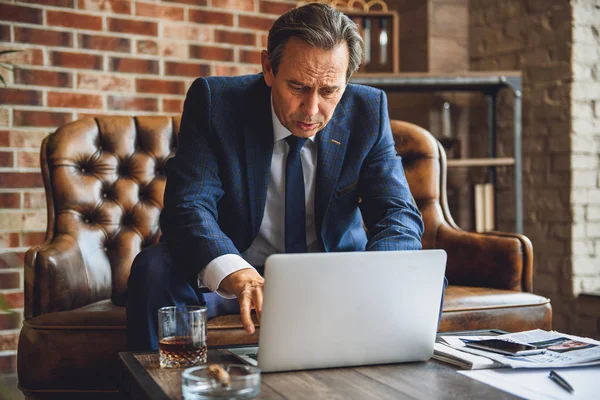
x: 527, y: 376
x: 464, y: 360
x: 561, y: 351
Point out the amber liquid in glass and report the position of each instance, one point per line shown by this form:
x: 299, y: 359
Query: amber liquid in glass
x: 181, y: 351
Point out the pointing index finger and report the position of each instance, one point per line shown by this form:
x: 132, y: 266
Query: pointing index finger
x: 245, y: 314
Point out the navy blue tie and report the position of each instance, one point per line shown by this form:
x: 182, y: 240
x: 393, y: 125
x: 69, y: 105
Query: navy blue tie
x: 295, y: 210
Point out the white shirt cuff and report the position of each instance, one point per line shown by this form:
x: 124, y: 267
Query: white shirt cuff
x: 218, y: 269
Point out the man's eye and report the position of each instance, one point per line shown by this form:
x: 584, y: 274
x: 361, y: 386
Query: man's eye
x: 297, y: 88
x: 328, y: 92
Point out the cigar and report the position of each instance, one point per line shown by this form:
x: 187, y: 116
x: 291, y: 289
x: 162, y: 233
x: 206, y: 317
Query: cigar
x: 219, y: 374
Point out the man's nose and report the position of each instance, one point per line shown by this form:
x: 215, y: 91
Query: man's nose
x: 310, y: 105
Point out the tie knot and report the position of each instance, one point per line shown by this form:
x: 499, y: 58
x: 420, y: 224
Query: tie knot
x: 295, y: 143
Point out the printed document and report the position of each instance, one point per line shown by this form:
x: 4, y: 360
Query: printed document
x: 534, y: 384
x: 562, y: 350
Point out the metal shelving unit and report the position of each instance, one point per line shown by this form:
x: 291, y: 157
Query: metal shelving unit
x: 489, y: 83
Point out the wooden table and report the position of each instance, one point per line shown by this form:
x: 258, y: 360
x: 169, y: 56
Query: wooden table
x: 144, y: 379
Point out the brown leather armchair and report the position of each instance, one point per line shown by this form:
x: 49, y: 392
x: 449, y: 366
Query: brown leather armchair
x: 104, y: 181
x: 490, y: 275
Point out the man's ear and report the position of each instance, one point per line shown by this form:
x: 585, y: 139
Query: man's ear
x: 266, y: 67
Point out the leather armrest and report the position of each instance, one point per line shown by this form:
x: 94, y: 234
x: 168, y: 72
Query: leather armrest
x: 55, y: 277
x: 494, y: 259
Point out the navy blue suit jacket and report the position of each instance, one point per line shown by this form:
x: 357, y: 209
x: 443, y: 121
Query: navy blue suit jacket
x: 217, y: 182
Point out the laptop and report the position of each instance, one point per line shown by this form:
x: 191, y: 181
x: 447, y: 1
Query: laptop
x: 323, y: 310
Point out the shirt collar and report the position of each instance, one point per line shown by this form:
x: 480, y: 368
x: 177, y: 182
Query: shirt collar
x: 279, y: 131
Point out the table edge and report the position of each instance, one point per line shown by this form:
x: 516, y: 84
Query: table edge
x: 141, y: 377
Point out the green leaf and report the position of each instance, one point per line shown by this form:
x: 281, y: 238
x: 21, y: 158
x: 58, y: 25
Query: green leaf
x: 4, y: 306
x: 6, y: 65
x: 3, y: 52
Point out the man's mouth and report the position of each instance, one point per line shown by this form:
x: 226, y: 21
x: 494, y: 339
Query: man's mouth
x: 306, y: 127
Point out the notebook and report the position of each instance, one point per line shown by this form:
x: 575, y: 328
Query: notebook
x: 323, y: 310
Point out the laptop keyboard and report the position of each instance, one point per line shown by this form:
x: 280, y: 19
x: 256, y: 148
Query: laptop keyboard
x: 248, y: 355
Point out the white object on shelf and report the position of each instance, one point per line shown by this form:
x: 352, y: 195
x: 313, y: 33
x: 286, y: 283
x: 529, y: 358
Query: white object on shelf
x: 446, y: 122
x: 367, y: 41
x: 488, y: 191
x: 484, y: 207
x: 383, y: 42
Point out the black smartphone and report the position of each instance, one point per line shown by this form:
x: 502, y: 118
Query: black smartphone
x: 505, y: 347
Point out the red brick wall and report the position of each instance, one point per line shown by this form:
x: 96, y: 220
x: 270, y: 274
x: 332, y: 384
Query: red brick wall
x: 88, y: 57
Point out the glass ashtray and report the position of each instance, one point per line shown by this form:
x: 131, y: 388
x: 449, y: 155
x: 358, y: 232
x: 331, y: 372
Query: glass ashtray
x: 237, y: 382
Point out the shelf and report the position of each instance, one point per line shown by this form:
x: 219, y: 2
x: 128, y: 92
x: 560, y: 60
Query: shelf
x: 372, y: 42
x: 489, y: 83
x: 430, y: 82
x: 480, y: 162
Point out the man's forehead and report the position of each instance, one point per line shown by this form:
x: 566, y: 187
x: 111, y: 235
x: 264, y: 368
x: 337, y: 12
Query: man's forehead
x: 307, y: 74
x: 306, y: 63
x: 319, y: 83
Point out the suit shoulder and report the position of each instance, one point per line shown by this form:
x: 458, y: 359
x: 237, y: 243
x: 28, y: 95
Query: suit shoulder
x: 362, y: 93
x: 228, y: 84
x: 223, y: 92
x: 363, y: 102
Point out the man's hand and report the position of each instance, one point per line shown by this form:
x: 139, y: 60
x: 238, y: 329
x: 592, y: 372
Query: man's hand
x: 247, y: 285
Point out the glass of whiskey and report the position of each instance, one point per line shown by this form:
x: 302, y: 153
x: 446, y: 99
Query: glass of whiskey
x: 182, y: 336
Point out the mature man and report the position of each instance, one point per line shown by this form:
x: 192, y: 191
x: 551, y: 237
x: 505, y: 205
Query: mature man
x: 274, y: 163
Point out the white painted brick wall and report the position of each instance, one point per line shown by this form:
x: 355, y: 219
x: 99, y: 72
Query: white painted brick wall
x: 593, y: 213
x: 585, y: 284
x: 585, y: 178
x: 584, y: 247
x: 583, y: 161
x: 592, y: 232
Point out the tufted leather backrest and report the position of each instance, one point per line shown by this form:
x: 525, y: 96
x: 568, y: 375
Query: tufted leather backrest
x: 425, y: 168
x: 105, y: 182
x: 104, y: 185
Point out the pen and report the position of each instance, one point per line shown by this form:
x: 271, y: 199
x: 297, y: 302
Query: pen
x: 561, y: 381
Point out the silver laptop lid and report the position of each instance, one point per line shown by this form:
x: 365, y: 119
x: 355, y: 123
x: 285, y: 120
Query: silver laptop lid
x: 340, y: 309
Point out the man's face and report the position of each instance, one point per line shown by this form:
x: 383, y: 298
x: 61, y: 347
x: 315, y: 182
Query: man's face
x: 308, y: 86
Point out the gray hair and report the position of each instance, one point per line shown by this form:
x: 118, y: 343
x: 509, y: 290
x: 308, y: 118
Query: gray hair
x: 318, y: 25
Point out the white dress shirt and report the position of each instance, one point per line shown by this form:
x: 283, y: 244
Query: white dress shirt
x: 271, y: 235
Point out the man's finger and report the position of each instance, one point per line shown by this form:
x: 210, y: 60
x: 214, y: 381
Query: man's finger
x: 258, y: 301
x: 245, y: 313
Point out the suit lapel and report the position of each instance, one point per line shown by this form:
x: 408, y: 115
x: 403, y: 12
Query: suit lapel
x: 331, y: 151
x: 258, y: 147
